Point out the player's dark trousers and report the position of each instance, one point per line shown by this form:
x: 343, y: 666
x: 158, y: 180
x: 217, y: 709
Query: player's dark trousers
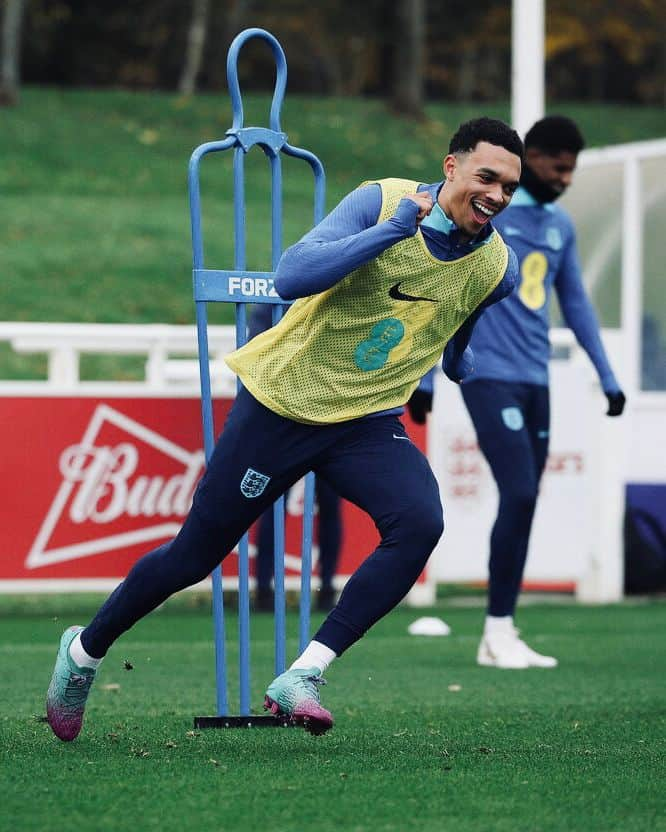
x: 329, y: 538
x: 259, y: 455
x: 512, y: 426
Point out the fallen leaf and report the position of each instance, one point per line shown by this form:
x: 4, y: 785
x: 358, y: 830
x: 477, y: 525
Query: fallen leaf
x: 148, y: 136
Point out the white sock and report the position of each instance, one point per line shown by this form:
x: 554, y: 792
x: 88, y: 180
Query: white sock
x: 315, y: 654
x: 496, y: 624
x: 79, y: 655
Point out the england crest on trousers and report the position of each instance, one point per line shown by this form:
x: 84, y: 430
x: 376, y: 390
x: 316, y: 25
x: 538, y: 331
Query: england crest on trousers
x: 253, y: 483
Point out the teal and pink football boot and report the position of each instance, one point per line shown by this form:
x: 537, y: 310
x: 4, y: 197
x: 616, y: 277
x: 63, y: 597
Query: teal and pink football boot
x: 295, y: 694
x: 68, y: 691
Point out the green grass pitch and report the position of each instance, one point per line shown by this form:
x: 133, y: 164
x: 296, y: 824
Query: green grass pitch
x: 94, y: 227
x: 424, y: 739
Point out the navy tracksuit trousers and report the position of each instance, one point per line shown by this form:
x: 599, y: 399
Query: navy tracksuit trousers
x: 512, y: 426
x: 371, y: 462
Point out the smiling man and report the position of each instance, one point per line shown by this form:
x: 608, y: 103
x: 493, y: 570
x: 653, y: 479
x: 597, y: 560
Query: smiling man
x: 396, y: 274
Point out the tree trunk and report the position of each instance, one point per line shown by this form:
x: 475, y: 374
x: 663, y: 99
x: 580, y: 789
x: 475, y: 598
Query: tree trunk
x: 196, y: 40
x: 409, y: 58
x: 11, y: 51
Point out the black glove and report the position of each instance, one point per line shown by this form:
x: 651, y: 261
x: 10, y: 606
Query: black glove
x: 419, y: 405
x: 616, y: 401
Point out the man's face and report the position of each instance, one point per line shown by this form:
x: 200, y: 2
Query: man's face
x: 556, y: 171
x: 479, y: 184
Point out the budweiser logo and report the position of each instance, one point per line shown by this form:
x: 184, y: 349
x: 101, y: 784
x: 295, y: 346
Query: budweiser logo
x: 106, y: 492
x: 106, y: 483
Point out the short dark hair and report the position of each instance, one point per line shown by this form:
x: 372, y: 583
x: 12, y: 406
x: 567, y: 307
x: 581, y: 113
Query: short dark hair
x: 485, y: 129
x: 554, y: 134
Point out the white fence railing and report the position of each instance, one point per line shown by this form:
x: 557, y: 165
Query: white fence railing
x: 170, y: 351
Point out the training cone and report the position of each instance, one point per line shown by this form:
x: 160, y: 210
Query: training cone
x: 429, y: 626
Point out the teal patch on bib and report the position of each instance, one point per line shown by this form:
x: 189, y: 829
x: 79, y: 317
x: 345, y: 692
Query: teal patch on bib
x: 373, y: 353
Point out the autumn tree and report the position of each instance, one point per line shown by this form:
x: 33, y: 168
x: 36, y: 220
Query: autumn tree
x: 590, y: 47
x: 196, y: 40
x: 407, y: 92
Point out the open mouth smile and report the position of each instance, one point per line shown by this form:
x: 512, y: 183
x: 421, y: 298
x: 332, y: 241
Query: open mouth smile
x: 482, y: 213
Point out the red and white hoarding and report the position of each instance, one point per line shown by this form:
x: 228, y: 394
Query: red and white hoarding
x: 92, y: 483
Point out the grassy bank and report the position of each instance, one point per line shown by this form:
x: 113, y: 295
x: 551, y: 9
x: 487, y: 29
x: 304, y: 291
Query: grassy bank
x: 94, y: 217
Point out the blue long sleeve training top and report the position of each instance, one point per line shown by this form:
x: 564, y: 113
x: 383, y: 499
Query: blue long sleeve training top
x: 510, y: 341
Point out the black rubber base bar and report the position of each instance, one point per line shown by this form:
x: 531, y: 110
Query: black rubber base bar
x: 253, y: 721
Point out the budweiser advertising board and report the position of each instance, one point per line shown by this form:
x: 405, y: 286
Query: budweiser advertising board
x: 91, y: 484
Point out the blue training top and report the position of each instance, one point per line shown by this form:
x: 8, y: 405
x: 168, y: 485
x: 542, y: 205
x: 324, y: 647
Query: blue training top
x: 510, y: 341
x: 350, y: 236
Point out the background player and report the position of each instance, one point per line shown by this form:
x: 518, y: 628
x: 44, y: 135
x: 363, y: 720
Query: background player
x: 508, y: 396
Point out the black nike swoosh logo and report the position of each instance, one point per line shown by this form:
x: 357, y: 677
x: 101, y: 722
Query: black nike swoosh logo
x: 396, y: 294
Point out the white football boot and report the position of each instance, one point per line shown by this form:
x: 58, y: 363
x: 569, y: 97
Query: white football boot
x: 504, y: 649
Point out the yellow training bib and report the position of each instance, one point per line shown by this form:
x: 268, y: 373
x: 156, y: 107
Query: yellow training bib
x: 363, y: 345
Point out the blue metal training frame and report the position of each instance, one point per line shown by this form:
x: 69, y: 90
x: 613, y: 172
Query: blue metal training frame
x: 240, y: 286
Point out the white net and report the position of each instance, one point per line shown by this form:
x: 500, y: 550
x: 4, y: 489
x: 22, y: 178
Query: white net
x: 596, y: 202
